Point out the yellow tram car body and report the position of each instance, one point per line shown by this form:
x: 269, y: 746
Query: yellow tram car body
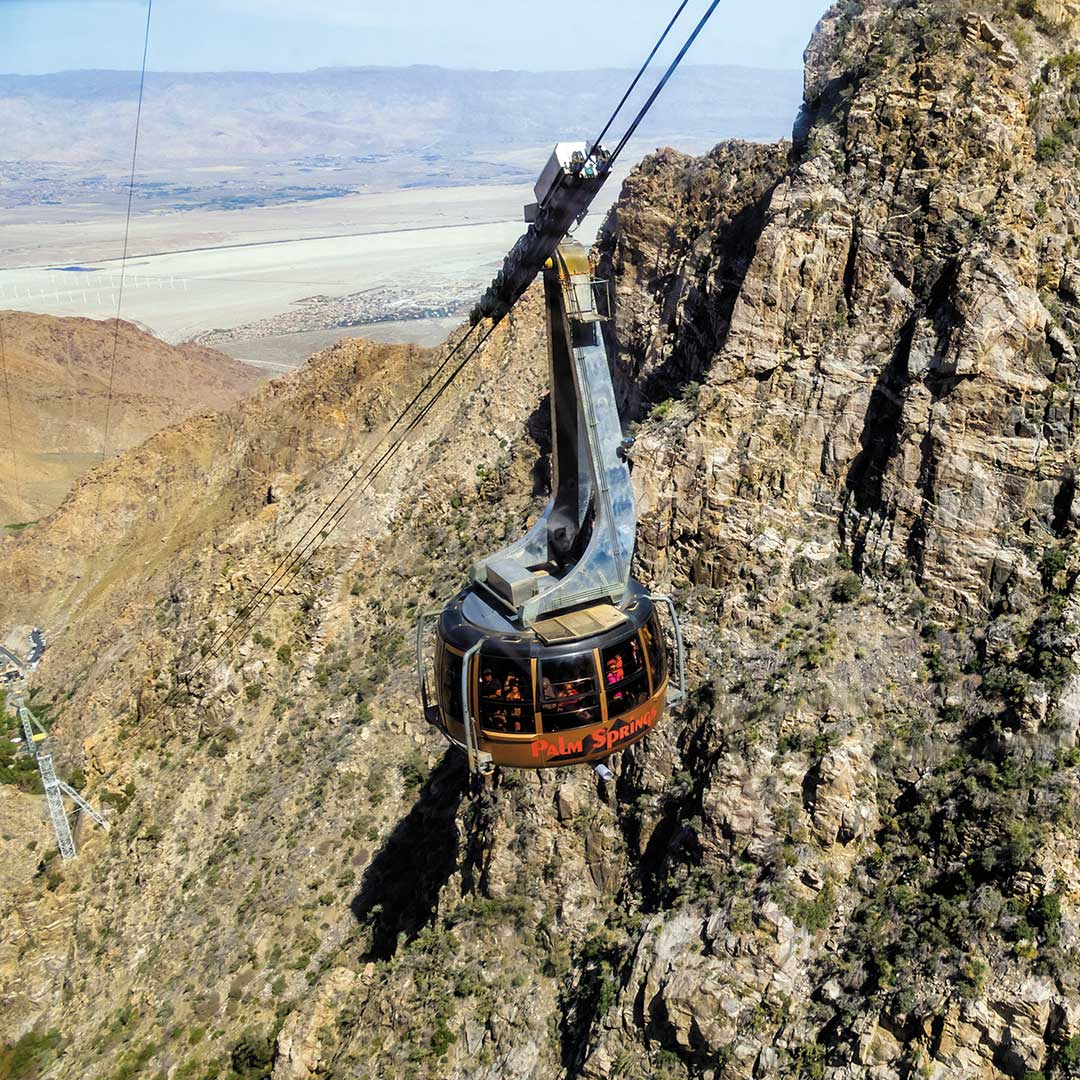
x: 544, y: 698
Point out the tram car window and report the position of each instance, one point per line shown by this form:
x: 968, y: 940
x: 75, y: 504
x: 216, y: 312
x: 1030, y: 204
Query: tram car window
x: 654, y: 649
x: 449, y: 671
x: 505, y: 693
x: 568, y: 693
x: 626, y: 681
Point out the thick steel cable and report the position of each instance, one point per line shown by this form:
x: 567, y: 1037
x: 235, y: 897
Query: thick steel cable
x: 127, y: 233
x: 557, y: 217
x: 637, y: 78
x: 275, y: 574
x: 11, y: 414
x: 663, y: 82
x: 313, y: 546
x: 369, y: 479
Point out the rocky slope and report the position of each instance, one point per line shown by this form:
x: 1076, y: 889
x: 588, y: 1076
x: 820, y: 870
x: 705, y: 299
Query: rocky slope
x: 852, y: 855
x: 58, y: 373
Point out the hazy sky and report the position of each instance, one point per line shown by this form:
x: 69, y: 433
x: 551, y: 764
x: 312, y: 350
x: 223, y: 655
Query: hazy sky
x: 39, y: 36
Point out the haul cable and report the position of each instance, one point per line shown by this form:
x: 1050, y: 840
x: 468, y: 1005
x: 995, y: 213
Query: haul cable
x: 663, y: 82
x: 629, y: 90
x: 127, y: 232
x: 275, y: 574
x: 637, y: 78
x: 11, y: 415
x: 223, y: 647
x: 313, y: 545
x: 306, y: 548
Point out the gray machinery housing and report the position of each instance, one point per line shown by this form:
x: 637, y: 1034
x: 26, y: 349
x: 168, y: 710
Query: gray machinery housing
x: 581, y: 547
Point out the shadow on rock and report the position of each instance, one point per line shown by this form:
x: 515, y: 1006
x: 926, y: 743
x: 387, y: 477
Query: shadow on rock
x: 400, y: 889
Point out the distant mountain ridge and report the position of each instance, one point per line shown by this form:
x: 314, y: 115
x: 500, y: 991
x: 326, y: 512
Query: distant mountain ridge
x: 63, y: 376
x: 356, y: 111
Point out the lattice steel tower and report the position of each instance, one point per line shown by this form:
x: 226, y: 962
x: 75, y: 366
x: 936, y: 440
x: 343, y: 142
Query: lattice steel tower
x: 34, y: 738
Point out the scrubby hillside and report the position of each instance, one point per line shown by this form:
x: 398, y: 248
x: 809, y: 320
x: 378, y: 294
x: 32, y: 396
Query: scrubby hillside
x: 57, y: 375
x: 852, y: 361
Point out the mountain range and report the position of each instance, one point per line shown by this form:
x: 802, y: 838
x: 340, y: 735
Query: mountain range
x: 211, y: 138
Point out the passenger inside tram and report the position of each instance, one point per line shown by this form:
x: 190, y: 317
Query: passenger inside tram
x: 503, y: 707
x: 489, y: 686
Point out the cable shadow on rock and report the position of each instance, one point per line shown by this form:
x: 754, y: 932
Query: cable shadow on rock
x: 400, y: 890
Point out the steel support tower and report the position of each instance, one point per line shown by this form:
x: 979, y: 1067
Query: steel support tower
x: 55, y: 788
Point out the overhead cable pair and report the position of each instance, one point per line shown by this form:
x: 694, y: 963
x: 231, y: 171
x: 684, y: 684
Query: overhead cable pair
x: 308, y: 545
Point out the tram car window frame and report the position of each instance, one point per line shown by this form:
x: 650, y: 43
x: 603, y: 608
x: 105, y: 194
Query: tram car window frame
x: 500, y: 715
x: 655, y: 651
x: 626, y: 677
x: 448, y: 666
x: 568, y: 689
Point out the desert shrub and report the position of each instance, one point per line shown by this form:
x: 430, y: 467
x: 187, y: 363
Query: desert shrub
x: 120, y: 799
x: 442, y: 1038
x: 252, y: 1058
x: 816, y: 913
x: 1049, y: 149
x: 29, y: 1055
x: 133, y: 1063
x: 847, y: 588
x: 1052, y: 562
x: 1070, y: 1053
x: 19, y: 770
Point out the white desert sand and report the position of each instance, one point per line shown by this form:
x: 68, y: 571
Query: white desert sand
x: 196, y: 271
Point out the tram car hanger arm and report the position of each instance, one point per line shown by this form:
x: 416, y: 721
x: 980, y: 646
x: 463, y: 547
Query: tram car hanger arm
x: 552, y: 654
x: 564, y: 192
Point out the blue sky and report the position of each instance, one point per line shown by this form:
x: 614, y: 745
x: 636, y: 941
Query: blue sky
x: 39, y: 36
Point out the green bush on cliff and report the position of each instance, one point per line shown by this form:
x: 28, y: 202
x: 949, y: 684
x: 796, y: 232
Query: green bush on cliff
x: 816, y: 913
x: 847, y: 588
x: 28, y: 1056
x: 252, y: 1057
x: 133, y: 1063
x: 442, y: 1038
x: 1049, y: 149
x: 19, y: 770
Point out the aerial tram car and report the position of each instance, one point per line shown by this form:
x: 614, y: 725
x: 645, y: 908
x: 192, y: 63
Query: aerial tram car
x: 552, y: 654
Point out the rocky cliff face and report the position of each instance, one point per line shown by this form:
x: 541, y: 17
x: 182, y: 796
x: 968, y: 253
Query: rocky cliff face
x: 852, y: 854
